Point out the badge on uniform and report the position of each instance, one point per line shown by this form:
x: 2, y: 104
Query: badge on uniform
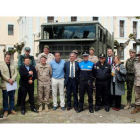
x: 97, y: 67
x: 106, y: 67
x: 82, y: 66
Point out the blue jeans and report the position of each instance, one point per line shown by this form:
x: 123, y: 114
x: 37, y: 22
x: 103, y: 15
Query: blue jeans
x: 11, y: 95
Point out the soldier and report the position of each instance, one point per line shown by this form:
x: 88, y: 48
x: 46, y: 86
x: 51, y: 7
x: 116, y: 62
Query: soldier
x: 78, y: 59
x: 20, y: 63
x: 137, y: 85
x: 44, y: 72
x: 130, y: 76
x: 50, y: 56
x: 92, y: 57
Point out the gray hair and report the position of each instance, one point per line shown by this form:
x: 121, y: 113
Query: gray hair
x: 73, y: 54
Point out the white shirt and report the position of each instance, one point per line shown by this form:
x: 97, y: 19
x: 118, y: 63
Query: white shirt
x: 73, y: 68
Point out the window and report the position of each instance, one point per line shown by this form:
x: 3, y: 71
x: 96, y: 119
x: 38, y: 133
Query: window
x: 135, y: 28
x: 121, y: 28
x: 122, y: 53
x: 95, y: 18
x: 73, y: 18
x: 69, y: 31
x: 135, y: 47
x: 50, y: 19
x: 10, y: 29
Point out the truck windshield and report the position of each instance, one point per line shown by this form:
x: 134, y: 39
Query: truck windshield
x: 69, y: 32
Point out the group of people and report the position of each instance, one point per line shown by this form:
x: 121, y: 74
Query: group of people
x: 106, y: 74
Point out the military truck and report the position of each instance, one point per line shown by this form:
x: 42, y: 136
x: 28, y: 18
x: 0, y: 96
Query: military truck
x: 64, y: 37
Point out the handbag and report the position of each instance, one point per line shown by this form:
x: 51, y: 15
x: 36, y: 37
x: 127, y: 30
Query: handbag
x: 120, y: 77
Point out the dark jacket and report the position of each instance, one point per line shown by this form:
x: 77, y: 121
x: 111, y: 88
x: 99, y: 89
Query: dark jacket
x: 102, y: 73
x: 67, y: 71
x: 24, y: 75
x: 108, y: 61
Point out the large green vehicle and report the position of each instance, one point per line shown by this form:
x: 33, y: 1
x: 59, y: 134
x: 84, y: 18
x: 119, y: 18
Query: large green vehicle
x: 67, y: 36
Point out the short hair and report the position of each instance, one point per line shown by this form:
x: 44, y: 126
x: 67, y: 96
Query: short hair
x: 110, y: 49
x: 26, y: 57
x: 73, y: 53
x: 56, y: 53
x: 7, y: 54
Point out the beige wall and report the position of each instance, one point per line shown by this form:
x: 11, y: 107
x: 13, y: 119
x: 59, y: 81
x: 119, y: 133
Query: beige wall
x: 8, y: 40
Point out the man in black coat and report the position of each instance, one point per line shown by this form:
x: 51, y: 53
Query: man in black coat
x: 109, y: 60
x: 102, y: 72
x: 28, y: 75
x: 71, y: 69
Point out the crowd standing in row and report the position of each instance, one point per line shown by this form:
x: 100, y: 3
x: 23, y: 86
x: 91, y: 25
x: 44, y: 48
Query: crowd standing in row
x: 107, y: 75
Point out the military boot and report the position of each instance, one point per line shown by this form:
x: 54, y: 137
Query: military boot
x: 128, y: 106
x: 46, y: 108
x: 40, y: 108
x: 136, y: 110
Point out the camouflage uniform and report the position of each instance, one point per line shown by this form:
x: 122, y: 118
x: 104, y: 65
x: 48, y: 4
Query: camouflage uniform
x: 43, y: 81
x: 50, y: 57
x: 130, y: 77
x: 93, y: 59
x: 137, y: 82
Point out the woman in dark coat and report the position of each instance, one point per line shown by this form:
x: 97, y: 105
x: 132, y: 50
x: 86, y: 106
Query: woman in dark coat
x: 117, y: 87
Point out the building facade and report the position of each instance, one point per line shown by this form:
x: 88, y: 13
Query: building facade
x: 8, y: 35
x: 27, y: 29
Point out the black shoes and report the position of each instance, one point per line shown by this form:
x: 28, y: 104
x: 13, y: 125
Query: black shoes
x: 76, y: 108
x: 97, y: 108
x: 91, y: 110
x: 107, y: 109
x: 79, y: 110
x: 68, y: 108
x: 23, y: 112
x: 34, y: 110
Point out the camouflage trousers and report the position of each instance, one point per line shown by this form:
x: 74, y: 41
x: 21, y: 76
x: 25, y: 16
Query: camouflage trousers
x: 43, y: 94
x: 137, y: 95
x: 130, y: 83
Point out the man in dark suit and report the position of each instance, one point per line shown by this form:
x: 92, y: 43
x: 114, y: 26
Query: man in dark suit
x: 109, y: 59
x: 28, y: 75
x: 71, y: 69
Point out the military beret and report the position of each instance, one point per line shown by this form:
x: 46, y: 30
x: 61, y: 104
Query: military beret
x: 46, y: 46
x: 138, y: 53
x: 27, y: 49
x: 44, y: 56
x: 102, y: 55
x: 85, y: 54
x: 132, y: 50
x: 75, y: 51
x: 91, y: 48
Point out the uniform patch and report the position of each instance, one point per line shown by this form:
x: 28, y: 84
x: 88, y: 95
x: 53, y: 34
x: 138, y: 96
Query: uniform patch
x: 97, y: 67
x: 89, y: 67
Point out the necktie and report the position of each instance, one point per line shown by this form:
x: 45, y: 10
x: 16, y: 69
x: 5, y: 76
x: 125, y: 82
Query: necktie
x: 109, y: 60
x: 72, y: 75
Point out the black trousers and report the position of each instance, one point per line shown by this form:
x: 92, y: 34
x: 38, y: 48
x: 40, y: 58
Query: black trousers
x: 19, y: 94
x: 86, y: 86
x: 72, y: 88
x: 117, y: 98
x: 30, y: 90
x: 102, y: 94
